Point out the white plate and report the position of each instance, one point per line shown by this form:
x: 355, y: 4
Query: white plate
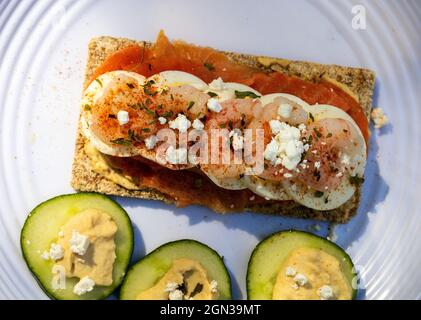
x: 43, y: 47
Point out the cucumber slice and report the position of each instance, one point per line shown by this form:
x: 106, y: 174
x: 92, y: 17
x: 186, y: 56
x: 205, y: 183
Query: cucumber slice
x: 42, y: 226
x: 149, y: 270
x: 270, y: 254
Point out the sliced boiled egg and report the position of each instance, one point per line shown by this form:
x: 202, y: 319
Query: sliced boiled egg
x: 291, y: 189
x: 332, y: 199
x: 226, y: 90
x: 267, y: 189
x: 323, y: 111
x: 105, y: 85
x: 173, y: 78
x: 322, y: 201
x: 268, y: 98
x: 227, y: 183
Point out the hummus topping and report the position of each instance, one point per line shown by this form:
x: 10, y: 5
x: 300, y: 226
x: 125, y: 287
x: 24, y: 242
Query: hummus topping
x: 97, y: 261
x: 101, y: 166
x: 186, y: 279
x: 323, y: 276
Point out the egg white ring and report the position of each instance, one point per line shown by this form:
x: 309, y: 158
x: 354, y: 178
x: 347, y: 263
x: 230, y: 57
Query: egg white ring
x: 267, y: 189
x: 93, y: 93
x: 174, y: 78
x: 226, y: 183
x: 336, y: 197
x: 268, y: 98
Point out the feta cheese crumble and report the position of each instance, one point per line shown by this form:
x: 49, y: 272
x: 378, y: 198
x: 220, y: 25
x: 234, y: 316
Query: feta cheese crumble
x: 56, y: 251
x: 122, y: 117
x: 217, y: 85
x: 214, y: 286
x: 379, y: 118
x: 290, y: 272
x: 317, y: 165
x: 198, y: 125
x: 302, y: 127
x: 176, y: 295
x: 214, y: 105
x: 345, y: 160
x: 326, y: 293
x: 237, y: 139
x: 85, y: 285
x: 284, y: 110
x: 150, y: 142
x: 301, y: 279
x: 79, y: 243
x: 286, y: 147
x: 162, y: 120
x: 171, y: 286
x: 181, y: 123
x: 45, y: 255
x: 176, y: 156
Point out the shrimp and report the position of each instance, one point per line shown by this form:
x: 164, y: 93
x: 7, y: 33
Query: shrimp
x: 225, y: 165
x: 278, y: 113
x: 147, y: 107
x: 337, y: 151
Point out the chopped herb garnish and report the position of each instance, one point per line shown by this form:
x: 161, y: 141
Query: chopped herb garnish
x: 198, y: 289
x: 209, y: 66
x: 121, y: 141
x: 329, y: 135
x: 153, y: 121
x: 191, y: 104
x: 150, y: 112
x: 87, y: 107
x: 149, y: 92
x: 183, y: 287
x: 318, y: 194
x: 159, y: 107
x: 317, y: 132
x: 138, y: 105
x: 99, y: 82
x: 212, y: 94
x: 146, y: 129
x: 311, y: 117
x: 130, y: 85
x: 148, y: 101
x: 223, y: 125
x: 230, y: 125
x: 133, y: 136
x: 146, y: 87
x: 245, y: 94
x: 243, y: 121
x: 168, y: 114
x: 356, y: 180
x: 316, y: 173
x: 310, y: 139
x: 172, y: 97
